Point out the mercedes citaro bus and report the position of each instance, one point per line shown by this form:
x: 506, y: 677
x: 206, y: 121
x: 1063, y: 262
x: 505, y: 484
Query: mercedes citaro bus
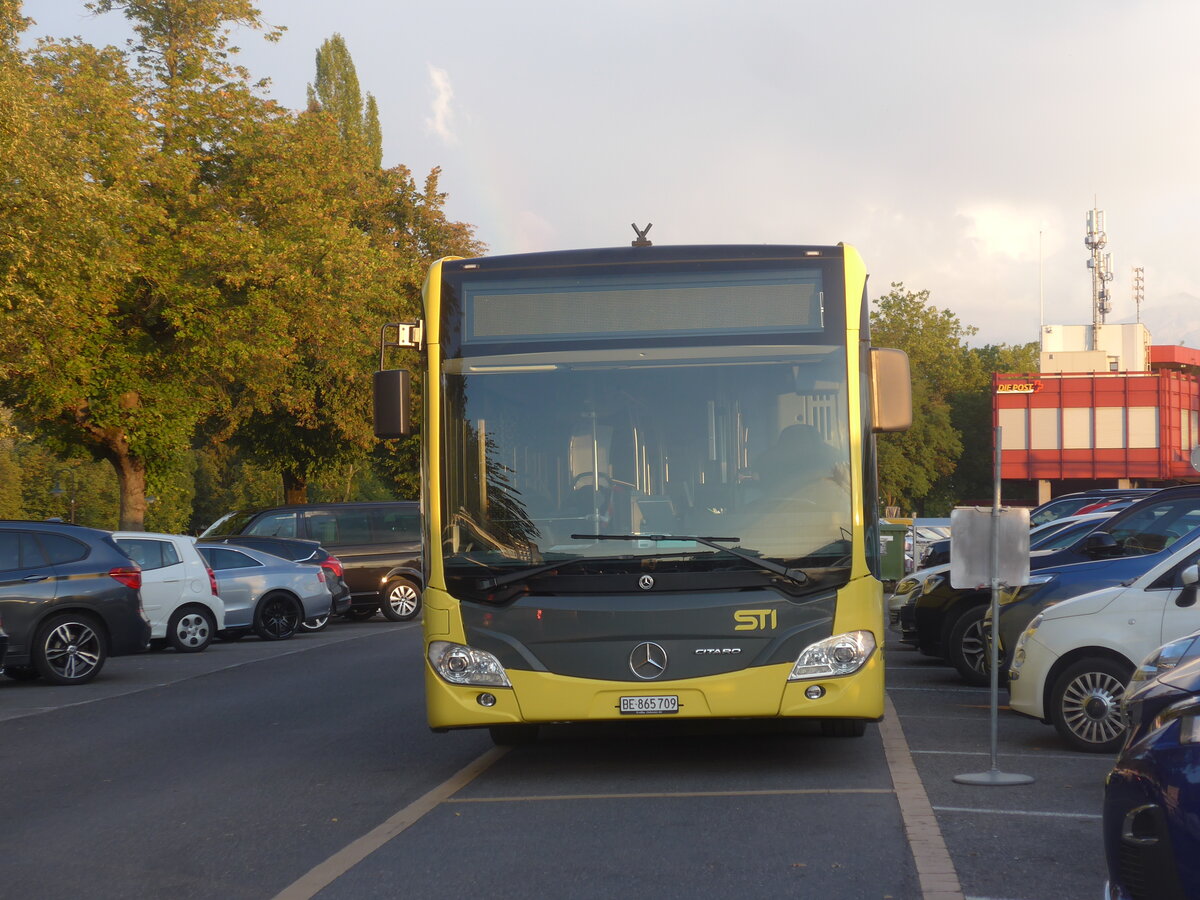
x: 649, y: 485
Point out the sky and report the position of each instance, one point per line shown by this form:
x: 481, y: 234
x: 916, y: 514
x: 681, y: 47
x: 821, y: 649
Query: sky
x: 958, y: 145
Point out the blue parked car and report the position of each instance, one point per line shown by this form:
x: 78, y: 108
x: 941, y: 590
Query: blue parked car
x: 1152, y: 798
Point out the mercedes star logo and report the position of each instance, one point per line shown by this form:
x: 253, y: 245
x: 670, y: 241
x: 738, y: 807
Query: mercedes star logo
x: 646, y: 582
x: 648, y: 660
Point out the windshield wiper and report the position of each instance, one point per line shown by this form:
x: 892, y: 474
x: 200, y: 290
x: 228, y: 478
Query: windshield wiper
x: 490, y: 584
x: 797, y: 575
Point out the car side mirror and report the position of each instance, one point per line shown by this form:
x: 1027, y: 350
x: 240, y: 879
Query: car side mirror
x: 1101, y: 543
x: 1188, y: 578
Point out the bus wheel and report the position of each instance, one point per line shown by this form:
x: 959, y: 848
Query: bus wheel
x: 513, y: 735
x: 843, y: 728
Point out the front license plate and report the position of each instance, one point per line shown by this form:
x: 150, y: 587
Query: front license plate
x: 634, y: 706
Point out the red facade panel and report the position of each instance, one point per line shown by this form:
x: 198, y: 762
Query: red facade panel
x: 1173, y: 394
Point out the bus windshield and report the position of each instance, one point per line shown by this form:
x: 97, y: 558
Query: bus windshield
x: 540, y: 450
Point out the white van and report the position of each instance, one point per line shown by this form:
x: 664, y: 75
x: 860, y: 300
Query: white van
x: 1071, y: 665
x: 179, y: 590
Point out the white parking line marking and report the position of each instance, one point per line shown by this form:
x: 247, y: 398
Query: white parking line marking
x: 1017, y: 812
x: 324, y: 874
x: 1074, y: 757
x: 935, y: 868
x: 672, y: 795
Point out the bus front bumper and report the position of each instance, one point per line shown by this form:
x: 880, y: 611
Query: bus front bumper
x: 760, y: 692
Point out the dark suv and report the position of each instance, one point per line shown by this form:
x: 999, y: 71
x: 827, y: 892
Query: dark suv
x: 69, y: 599
x: 379, y: 545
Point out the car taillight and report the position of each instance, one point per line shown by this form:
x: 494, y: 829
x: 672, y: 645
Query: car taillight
x: 321, y: 575
x: 212, y: 580
x: 130, y: 576
x: 334, y: 565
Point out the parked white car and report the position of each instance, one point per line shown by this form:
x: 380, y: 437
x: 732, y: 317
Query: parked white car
x: 1071, y: 665
x: 179, y: 590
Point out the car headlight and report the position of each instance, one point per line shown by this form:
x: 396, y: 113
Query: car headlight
x: 460, y: 664
x: 1168, y: 656
x: 842, y: 654
x: 931, y: 582
x: 906, y: 585
x: 1020, y: 592
x: 1019, y: 651
x: 1188, y: 714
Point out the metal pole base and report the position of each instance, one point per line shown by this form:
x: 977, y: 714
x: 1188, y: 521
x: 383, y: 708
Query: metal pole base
x: 994, y: 777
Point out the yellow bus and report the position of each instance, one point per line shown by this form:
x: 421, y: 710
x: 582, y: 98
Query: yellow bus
x: 649, y: 486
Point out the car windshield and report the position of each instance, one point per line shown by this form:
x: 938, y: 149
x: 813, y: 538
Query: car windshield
x: 1155, y: 526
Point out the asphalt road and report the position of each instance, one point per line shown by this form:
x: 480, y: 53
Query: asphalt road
x: 305, y: 768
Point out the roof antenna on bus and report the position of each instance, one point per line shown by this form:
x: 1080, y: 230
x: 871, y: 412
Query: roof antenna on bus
x: 641, y: 235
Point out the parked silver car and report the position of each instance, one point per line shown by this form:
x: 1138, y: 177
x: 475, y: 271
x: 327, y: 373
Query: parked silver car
x: 265, y: 593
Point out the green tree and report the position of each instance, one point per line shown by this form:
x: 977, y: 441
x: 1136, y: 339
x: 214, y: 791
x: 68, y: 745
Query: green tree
x: 972, y: 480
x: 336, y: 91
x: 912, y: 462
x: 137, y: 313
x: 349, y: 244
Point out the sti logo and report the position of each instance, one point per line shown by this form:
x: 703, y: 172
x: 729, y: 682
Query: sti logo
x: 754, y: 620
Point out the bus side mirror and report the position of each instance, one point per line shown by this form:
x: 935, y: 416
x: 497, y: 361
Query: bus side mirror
x: 391, y: 389
x: 891, y: 390
x: 1188, y: 577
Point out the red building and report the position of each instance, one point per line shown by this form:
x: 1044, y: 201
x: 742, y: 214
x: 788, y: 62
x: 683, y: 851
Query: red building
x: 1075, y: 430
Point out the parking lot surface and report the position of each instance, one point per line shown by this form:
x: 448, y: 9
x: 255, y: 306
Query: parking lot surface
x: 305, y: 768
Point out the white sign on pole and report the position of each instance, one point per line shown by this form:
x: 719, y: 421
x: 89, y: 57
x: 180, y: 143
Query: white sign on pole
x: 971, y: 546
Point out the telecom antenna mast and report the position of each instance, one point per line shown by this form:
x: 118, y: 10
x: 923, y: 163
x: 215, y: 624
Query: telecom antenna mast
x: 1139, y: 289
x: 1100, y: 264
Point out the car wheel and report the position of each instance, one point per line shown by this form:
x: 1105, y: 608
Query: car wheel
x: 360, y: 613
x: 191, y: 629
x: 278, y: 617
x: 1085, y: 704
x: 401, y: 600
x: 966, y: 649
x: 513, y: 735
x: 843, y: 728
x: 21, y: 673
x: 70, y: 649
x: 320, y: 623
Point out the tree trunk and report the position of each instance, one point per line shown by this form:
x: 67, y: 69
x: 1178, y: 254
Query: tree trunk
x: 131, y: 480
x: 295, y: 488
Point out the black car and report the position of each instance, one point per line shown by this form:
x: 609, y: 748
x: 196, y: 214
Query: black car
x: 69, y: 599
x: 949, y: 620
x: 379, y: 545
x: 303, y: 551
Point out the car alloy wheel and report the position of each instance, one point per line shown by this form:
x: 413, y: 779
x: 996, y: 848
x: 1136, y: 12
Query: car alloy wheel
x: 278, y: 617
x: 191, y: 630
x: 1086, y: 705
x: 69, y: 650
x: 318, y: 623
x: 966, y: 648
x: 401, y: 600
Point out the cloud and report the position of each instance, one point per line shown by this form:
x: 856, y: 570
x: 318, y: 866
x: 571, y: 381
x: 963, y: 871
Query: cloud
x: 442, y: 112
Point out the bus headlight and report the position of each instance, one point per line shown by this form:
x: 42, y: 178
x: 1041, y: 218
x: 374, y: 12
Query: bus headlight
x: 460, y: 664
x: 841, y: 654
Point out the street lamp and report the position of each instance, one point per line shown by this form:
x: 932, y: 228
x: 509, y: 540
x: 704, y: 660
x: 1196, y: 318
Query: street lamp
x: 57, y: 491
